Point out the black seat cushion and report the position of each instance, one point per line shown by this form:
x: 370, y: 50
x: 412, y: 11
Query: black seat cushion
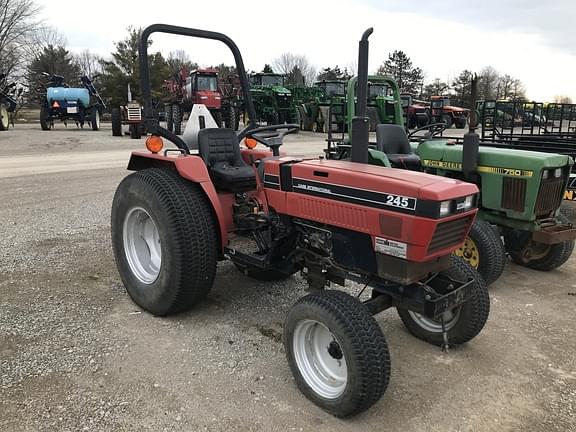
x: 392, y: 140
x: 220, y: 150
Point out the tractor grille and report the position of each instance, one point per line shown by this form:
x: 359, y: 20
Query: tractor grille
x: 514, y: 193
x: 134, y: 114
x: 449, y: 234
x: 550, y: 194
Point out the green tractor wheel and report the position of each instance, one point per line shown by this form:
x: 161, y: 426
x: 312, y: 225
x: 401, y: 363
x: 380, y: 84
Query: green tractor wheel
x: 538, y: 256
x: 483, y: 249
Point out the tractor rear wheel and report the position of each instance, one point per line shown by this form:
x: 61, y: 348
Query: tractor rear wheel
x: 169, y: 118
x: 4, y: 119
x: 95, y: 119
x: 462, y: 323
x: 446, y: 118
x: 177, y: 119
x: 116, y: 122
x: 337, y: 352
x: 166, y: 263
x: 538, y: 256
x: 44, y: 118
x: 483, y: 249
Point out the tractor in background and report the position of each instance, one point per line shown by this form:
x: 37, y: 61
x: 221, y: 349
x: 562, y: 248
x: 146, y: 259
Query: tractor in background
x: 272, y: 100
x: 441, y: 111
x: 200, y: 86
x: 521, y: 191
x: 416, y: 113
x: 181, y: 212
x: 9, y: 94
x: 130, y: 115
x: 64, y: 103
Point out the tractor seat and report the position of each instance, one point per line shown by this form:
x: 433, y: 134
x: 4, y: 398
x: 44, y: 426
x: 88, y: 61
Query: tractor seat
x: 392, y: 140
x: 220, y: 150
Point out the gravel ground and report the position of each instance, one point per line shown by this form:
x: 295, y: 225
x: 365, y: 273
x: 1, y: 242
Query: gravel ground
x: 76, y: 354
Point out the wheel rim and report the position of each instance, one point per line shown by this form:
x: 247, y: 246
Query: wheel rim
x: 320, y: 359
x: 142, y: 245
x: 469, y: 251
x: 434, y: 325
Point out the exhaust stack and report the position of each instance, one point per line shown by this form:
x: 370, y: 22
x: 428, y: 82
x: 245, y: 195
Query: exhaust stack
x: 361, y: 123
x: 471, y: 139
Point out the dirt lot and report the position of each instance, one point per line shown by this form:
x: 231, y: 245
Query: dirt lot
x: 76, y: 354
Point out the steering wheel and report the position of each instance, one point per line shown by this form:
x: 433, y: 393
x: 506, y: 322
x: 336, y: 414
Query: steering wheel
x: 272, y: 136
x: 433, y: 130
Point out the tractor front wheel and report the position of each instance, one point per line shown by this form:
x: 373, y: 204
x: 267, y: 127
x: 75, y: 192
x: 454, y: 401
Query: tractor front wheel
x: 484, y: 250
x: 462, y: 323
x: 166, y: 263
x: 135, y: 131
x: 538, y: 256
x: 447, y: 119
x: 337, y: 352
x: 169, y: 118
x: 177, y: 119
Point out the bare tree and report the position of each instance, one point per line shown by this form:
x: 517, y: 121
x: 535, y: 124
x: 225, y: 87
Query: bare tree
x: 18, y: 22
x: 89, y: 63
x: 562, y: 99
x: 286, y: 63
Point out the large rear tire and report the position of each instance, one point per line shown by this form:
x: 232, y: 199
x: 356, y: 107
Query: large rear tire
x: 484, y: 250
x: 4, y: 118
x: 462, y: 323
x: 116, y: 122
x: 337, y: 352
x: 169, y: 118
x: 164, y: 239
x: 177, y: 119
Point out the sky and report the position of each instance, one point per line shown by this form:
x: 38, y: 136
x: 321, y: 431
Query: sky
x: 533, y: 40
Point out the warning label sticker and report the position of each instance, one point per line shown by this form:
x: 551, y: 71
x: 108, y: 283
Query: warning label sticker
x: 390, y: 247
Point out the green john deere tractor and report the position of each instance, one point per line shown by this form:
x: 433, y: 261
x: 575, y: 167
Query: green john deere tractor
x: 273, y: 101
x: 520, y: 191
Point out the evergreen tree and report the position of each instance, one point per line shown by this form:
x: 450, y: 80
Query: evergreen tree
x: 399, y: 66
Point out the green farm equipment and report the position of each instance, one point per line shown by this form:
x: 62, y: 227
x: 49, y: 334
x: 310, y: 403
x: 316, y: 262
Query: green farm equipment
x: 521, y: 191
x: 273, y: 101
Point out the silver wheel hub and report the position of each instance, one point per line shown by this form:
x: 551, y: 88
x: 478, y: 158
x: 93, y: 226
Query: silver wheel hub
x: 320, y: 359
x: 142, y: 245
x: 434, y: 325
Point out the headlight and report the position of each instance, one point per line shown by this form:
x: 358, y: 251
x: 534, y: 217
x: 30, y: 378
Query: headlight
x: 545, y: 175
x: 445, y: 208
x: 469, y: 202
x: 203, y: 97
x: 558, y: 172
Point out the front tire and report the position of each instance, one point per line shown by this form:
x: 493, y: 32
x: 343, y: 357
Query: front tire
x: 448, y: 120
x: 177, y: 119
x: 462, y: 323
x: 337, y: 352
x: 164, y: 239
x: 135, y: 131
x: 44, y: 118
x: 169, y: 118
x: 95, y: 119
x: 483, y: 249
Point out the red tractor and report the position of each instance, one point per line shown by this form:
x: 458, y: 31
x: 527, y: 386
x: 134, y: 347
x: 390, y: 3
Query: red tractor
x: 441, y: 111
x: 416, y: 114
x: 273, y: 215
x: 187, y: 89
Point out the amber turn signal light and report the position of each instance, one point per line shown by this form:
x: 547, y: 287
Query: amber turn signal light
x: 154, y: 143
x: 250, y: 143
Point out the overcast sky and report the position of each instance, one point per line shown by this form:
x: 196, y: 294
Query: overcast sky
x: 534, y: 40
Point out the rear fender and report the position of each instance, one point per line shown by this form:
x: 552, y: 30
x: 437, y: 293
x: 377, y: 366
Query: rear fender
x: 193, y: 169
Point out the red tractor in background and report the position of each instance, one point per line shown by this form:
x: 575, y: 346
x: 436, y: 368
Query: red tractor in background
x: 441, y: 111
x: 187, y: 89
x: 416, y: 113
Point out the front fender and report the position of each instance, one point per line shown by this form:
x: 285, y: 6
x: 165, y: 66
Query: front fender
x: 191, y: 168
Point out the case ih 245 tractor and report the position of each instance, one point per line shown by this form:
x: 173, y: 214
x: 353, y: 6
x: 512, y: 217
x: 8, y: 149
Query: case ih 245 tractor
x: 272, y: 216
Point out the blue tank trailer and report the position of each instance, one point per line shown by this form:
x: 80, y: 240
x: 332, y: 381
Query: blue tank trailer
x: 80, y: 105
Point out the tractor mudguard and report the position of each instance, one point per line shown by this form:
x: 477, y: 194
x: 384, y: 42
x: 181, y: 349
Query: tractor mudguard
x: 191, y: 168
